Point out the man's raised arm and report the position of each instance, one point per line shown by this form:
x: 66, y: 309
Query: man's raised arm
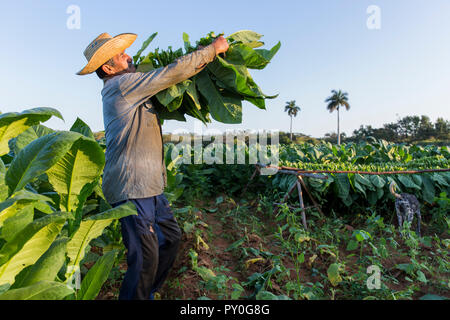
x: 140, y: 86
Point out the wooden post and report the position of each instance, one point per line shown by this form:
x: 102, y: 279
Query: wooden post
x: 310, y: 196
x: 275, y: 211
x: 299, y: 188
x: 253, y: 175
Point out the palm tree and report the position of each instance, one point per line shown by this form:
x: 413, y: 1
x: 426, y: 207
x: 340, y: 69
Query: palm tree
x: 292, y: 110
x: 336, y: 100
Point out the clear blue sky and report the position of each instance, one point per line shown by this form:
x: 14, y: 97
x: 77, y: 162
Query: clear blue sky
x: 401, y: 69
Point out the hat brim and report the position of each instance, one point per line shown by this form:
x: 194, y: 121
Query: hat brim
x: 108, y: 50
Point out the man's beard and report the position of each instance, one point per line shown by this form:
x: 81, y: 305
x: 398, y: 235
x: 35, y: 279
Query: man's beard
x: 131, y: 67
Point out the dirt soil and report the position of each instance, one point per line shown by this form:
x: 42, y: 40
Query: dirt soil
x: 219, y: 234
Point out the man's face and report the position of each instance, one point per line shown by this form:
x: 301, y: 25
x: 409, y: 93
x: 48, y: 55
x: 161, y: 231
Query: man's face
x: 122, y: 63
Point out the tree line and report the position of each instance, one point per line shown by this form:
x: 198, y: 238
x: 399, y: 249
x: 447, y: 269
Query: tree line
x: 407, y: 129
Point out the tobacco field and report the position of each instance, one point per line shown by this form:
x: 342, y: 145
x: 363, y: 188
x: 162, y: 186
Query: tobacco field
x: 60, y: 239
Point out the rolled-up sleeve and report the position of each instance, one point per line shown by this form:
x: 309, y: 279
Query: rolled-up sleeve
x: 139, y: 86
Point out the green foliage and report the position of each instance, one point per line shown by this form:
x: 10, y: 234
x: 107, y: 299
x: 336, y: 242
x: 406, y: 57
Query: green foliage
x: 42, y: 290
x: 342, y: 191
x: 37, y: 157
x: 46, y: 268
x: 372, y: 190
x: 97, y: 275
x: 41, y: 249
x: 220, y: 88
x: 81, y: 127
x: 333, y: 274
x: 22, y: 140
x: 408, y: 129
x: 89, y: 229
x: 28, y: 245
x: 75, y: 175
x: 440, y: 218
x: 12, y: 123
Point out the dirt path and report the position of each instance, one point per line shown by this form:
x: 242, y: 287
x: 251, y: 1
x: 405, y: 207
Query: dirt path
x: 217, y: 236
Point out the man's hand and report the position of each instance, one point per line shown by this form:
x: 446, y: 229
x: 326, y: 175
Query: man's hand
x: 220, y: 44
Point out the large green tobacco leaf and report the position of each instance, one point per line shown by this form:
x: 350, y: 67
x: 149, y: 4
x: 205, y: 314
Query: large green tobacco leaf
x: 175, y: 104
x: 28, y: 245
x: 193, y: 105
x: 43, y: 290
x: 13, y: 123
x: 17, y: 222
x: 377, y: 181
x: 81, y: 127
x: 320, y: 185
x: 417, y: 179
x: 444, y: 174
x: 360, y: 188
x: 19, y: 201
x: 46, y: 268
x: 193, y: 111
x: 408, y: 182
x: 165, y: 114
x: 96, y: 276
x: 363, y: 180
x: 439, y: 179
x: 191, y: 91
x: 144, y: 46
x: 80, y: 166
x: 266, y: 54
x: 223, y: 109
x: 380, y: 193
x: 252, y: 59
x: 428, y: 190
x: 3, y: 187
x: 38, y: 157
x: 247, y: 37
x: 90, y: 229
x: 343, y: 185
x: 233, y: 76
x: 22, y: 140
x: 98, y: 189
x: 165, y: 97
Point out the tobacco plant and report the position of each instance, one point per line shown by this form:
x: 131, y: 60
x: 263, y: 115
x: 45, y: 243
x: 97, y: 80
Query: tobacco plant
x: 46, y: 177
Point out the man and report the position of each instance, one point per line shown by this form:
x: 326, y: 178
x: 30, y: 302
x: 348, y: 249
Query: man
x: 134, y: 169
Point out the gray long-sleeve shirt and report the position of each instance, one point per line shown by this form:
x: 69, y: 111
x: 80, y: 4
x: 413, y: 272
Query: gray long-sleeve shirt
x: 134, y: 166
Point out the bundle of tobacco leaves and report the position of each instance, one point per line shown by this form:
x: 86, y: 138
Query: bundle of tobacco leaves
x: 220, y: 88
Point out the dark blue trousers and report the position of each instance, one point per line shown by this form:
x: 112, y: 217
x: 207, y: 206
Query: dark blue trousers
x: 152, y: 239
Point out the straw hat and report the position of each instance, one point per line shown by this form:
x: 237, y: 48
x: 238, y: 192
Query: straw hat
x: 103, y: 48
